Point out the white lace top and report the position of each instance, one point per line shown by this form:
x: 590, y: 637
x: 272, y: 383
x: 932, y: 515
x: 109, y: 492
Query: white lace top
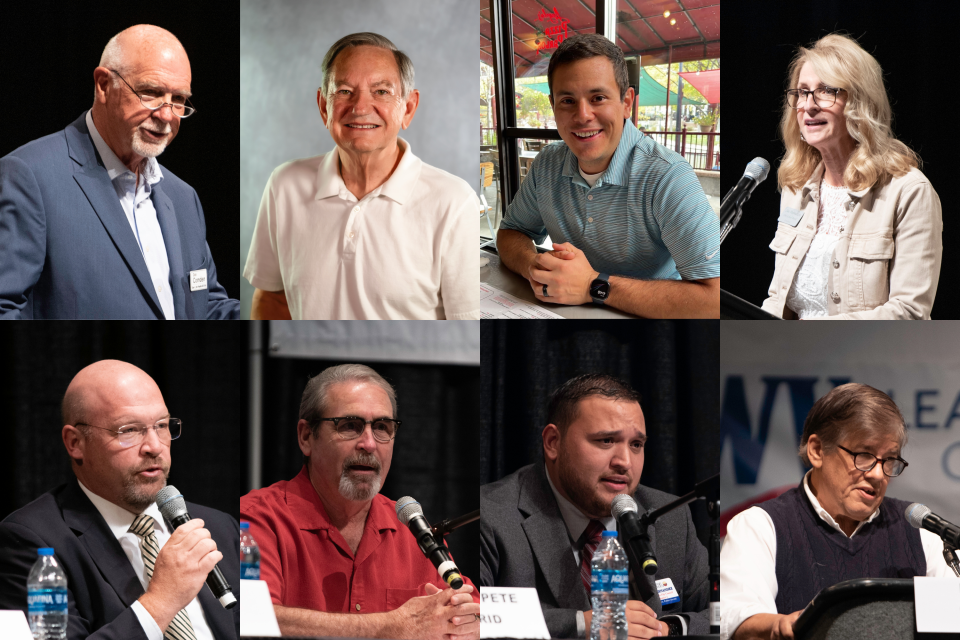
x: 808, y: 294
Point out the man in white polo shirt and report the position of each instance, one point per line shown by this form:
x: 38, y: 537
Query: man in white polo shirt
x: 367, y: 231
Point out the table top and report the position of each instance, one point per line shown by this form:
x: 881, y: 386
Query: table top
x: 498, y: 275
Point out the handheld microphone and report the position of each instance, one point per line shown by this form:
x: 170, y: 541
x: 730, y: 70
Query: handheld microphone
x: 730, y: 207
x: 624, y: 509
x: 920, y: 516
x: 410, y: 513
x: 174, y: 509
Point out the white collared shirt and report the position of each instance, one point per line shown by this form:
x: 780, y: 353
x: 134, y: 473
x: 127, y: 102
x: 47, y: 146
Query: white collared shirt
x: 138, y: 207
x: 406, y: 250
x: 748, y: 562
x: 119, y: 521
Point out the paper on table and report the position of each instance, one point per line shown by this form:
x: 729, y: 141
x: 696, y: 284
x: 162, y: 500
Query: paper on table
x: 14, y: 625
x: 937, y: 604
x: 256, y: 610
x: 511, y: 612
x: 500, y: 305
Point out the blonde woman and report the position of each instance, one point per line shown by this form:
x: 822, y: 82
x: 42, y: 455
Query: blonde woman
x: 859, y: 232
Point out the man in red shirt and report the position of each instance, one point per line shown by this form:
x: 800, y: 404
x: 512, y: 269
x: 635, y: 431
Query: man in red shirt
x: 335, y: 557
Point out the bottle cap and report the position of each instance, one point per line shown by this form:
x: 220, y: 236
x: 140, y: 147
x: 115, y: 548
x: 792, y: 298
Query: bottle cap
x: 609, y: 534
x: 45, y: 551
x: 244, y: 525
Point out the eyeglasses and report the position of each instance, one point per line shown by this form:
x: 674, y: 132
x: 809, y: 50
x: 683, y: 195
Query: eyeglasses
x: 154, y: 102
x: 822, y: 96
x: 130, y: 435
x: 352, y: 427
x: 863, y: 461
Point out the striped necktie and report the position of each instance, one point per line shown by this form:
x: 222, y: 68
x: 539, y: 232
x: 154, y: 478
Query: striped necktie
x: 591, y: 539
x: 180, y: 627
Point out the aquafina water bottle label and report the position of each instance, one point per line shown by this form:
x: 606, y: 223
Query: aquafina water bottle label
x: 42, y: 601
x: 249, y: 571
x: 610, y: 581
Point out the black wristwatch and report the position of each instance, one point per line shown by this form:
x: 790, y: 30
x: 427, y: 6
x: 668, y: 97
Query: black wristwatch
x: 600, y: 288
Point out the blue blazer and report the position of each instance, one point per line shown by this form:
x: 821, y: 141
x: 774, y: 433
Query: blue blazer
x: 66, y: 247
x: 101, y: 583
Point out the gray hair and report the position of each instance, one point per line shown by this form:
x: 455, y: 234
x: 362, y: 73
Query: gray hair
x: 314, y: 400
x: 367, y: 39
x: 852, y: 410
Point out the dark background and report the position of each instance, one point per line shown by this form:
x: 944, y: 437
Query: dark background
x: 201, y: 369
x: 434, y: 454
x: 915, y: 46
x: 674, y: 365
x: 49, y: 51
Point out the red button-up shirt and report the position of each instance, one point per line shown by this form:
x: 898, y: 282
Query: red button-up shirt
x: 307, y: 563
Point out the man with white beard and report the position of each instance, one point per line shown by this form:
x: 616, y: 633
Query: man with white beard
x: 335, y: 557
x: 91, y: 225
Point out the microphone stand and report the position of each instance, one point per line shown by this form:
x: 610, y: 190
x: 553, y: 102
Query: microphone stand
x: 950, y: 555
x: 731, y: 222
x: 448, y: 525
x: 700, y: 490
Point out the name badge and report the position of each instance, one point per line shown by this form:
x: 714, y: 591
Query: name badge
x: 667, y: 592
x: 198, y: 280
x: 791, y: 216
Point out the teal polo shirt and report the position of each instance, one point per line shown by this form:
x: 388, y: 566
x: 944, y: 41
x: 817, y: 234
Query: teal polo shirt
x: 646, y: 217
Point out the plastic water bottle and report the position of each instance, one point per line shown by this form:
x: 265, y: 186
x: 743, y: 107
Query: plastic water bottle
x: 47, y: 598
x: 609, y: 590
x: 249, y: 554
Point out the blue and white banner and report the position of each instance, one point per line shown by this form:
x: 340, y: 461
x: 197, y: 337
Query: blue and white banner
x: 772, y: 373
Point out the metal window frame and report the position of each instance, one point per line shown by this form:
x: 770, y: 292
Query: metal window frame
x: 504, y: 74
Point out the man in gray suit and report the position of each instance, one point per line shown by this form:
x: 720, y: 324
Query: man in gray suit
x: 540, y: 525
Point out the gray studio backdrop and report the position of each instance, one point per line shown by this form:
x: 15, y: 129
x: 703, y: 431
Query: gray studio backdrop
x: 282, y: 43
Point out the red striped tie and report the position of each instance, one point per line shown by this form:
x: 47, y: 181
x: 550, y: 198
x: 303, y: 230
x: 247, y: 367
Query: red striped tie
x: 591, y: 538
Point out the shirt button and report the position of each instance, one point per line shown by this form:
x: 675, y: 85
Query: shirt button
x: 589, y: 197
x: 358, y: 607
x: 835, y: 296
x: 160, y: 289
x: 589, y: 219
x: 351, y: 234
x: 836, y: 264
x: 356, y: 209
x: 841, y: 229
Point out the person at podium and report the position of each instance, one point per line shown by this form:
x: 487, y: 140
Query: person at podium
x: 335, y: 558
x: 540, y: 525
x: 835, y: 526
x: 859, y: 232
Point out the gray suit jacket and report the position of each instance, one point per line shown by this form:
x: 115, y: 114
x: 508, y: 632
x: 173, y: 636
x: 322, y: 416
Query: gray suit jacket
x: 524, y: 543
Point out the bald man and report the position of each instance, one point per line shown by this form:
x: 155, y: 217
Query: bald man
x: 105, y: 528
x: 91, y: 225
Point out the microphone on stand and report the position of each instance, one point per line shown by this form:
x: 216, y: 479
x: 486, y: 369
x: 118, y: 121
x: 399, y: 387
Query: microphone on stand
x: 410, y: 513
x: 172, y: 507
x: 921, y: 517
x: 732, y: 203
x: 624, y: 509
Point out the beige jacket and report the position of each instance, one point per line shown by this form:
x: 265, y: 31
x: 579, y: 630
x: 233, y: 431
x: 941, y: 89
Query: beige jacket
x: 886, y: 265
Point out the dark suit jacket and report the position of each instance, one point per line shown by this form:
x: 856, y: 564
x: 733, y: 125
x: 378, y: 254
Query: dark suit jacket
x: 67, y: 250
x: 524, y: 543
x: 101, y: 583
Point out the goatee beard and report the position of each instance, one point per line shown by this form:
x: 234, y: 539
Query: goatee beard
x: 360, y: 490
x: 140, y: 495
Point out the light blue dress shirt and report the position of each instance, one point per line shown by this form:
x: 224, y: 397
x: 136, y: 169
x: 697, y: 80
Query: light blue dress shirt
x: 138, y: 207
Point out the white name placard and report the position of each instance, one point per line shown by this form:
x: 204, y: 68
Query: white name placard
x: 14, y: 625
x: 511, y: 612
x: 256, y: 610
x: 937, y: 604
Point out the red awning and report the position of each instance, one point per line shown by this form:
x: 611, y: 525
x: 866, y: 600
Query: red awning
x: 707, y: 83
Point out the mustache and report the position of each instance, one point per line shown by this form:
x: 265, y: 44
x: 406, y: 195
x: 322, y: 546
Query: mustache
x: 364, y: 459
x: 167, y: 129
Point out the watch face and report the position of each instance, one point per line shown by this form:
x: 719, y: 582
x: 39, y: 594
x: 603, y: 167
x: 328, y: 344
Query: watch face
x: 600, y: 289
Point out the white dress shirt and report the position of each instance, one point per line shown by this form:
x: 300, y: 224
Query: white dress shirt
x: 748, y: 562
x: 135, y: 199
x: 406, y: 250
x: 119, y: 521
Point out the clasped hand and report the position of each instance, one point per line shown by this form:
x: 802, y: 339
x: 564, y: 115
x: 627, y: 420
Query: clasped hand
x: 566, y: 272
x: 448, y: 615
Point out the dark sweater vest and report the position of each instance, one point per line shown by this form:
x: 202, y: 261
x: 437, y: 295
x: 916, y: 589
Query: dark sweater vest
x: 812, y: 555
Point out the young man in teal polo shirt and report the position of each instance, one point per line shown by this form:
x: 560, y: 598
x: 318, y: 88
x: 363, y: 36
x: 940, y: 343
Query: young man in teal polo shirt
x: 631, y: 226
